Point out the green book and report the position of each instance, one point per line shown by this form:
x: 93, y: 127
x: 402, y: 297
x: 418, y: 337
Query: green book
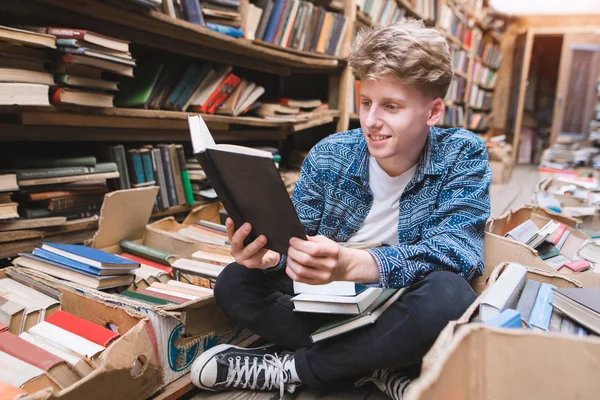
x: 116, y: 154
x: 136, y: 92
x: 547, y: 250
x: 41, y: 173
x: 145, y: 298
x: 149, y: 253
x: 369, y: 316
x: 185, y: 176
x: 24, y: 162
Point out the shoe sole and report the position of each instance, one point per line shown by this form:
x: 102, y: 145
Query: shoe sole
x: 208, y: 354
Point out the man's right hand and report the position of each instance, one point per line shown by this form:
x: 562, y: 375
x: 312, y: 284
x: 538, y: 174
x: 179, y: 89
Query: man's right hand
x: 254, y: 255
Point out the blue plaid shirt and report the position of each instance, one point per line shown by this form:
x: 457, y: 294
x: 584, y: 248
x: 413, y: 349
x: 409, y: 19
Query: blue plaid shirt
x: 442, y: 211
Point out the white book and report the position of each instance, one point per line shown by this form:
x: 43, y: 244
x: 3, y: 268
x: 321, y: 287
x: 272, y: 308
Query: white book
x: 524, y: 232
x: 78, y: 363
x: 211, y: 258
x: 504, y: 293
x: 47, y: 304
x: 173, y: 293
x: 66, y: 339
x: 191, y: 233
x: 324, y: 304
x: 11, y: 315
x: 184, y: 285
x: 32, y: 311
x: 198, y: 267
x: 18, y: 373
x: 336, y: 288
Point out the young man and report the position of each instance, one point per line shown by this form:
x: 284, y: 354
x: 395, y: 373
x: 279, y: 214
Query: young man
x: 420, y: 191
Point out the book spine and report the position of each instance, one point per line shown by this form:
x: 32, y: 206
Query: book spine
x: 50, y: 172
x: 192, y: 12
x: 264, y: 20
x: 274, y: 20
x: 66, y: 203
x: 40, y: 287
x: 285, y: 16
x: 166, y: 158
x: 226, y: 30
x: 135, y: 166
x: 176, y: 175
x: 117, y: 154
x: 159, y: 173
x: 150, y: 253
x: 66, y: 33
x: 185, y: 177
x: 145, y: 298
x: 146, y: 155
x: 27, y: 163
x: 224, y: 91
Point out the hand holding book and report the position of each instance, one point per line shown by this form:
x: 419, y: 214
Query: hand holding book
x: 254, y: 255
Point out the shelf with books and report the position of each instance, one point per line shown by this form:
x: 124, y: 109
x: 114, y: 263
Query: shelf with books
x: 461, y: 74
x: 363, y: 18
x: 162, y: 32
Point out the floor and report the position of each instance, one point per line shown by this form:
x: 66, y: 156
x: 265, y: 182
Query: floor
x: 513, y: 194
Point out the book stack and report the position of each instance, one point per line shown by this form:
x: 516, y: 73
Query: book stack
x: 557, y: 245
x: 222, y: 12
x: 23, y: 77
x: 456, y: 25
x: 292, y: 110
x: 8, y: 208
x: 206, y: 232
x: 514, y: 301
x: 169, y: 293
x: 80, y: 264
x: 71, y: 187
x: 188, y: 87
x: 382, y: 13
x: 154, y: 262
x: 480, y: 98
x: 188, y: 10
x: 483, y: 75
x: 457, y: 89
x: 479, y: 121
x: 84, y: 57
x: 54, y: 353
x: 301, y: 25
x: 364, y: 305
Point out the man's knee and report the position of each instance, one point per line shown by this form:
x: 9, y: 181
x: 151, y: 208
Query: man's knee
x: 229, y: 283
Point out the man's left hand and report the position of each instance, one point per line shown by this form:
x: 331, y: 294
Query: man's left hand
x: 315, y: 261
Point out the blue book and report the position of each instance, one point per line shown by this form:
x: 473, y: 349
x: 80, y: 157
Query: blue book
x: 274, y: 21
x: 506, y: 319
x: 189, y: 80
x: 90, y: 256
x: 61, y: 261
x: 226, y: 30
x: 192, y: 12
x: 542, y: 309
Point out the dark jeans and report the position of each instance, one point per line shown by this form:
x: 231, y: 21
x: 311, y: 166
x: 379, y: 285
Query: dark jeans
x: 400, y: 337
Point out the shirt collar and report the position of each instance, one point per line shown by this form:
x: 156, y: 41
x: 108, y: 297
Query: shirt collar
x: 430, y: 162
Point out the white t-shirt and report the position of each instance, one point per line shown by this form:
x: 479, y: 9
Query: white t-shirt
x: 381, y: 224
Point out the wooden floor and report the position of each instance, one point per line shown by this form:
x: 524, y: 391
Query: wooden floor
x: 516, y: 193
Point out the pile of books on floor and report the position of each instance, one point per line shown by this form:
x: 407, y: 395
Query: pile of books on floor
x: 557, y: 246
x: 292, y: 110
x: 568, y: 154
x: 84, y: 60
x: 169, y: 292
x: 40, y: 345
x: 8, y: 208
x: 80, y: 264
x: 23, y: 77
x: 514, y: 301
x: 180, y: 86
x: 363, y: 304
x: 70, y: 187
x: 301, y: 25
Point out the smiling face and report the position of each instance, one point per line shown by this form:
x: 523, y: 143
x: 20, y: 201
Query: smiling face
x: 395, y: 118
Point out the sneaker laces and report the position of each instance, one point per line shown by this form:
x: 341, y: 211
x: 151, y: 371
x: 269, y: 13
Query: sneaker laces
x: 394, y: 385
x: 245, y: 373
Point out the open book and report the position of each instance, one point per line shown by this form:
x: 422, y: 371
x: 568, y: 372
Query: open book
x: 248, y: 184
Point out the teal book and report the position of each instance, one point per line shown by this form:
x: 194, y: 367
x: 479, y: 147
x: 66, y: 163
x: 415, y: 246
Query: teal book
x: 145, y: 298
x: 135, y: 167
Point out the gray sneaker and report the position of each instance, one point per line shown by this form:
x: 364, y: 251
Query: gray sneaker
x: 230, y: 367
x: 393, y: 384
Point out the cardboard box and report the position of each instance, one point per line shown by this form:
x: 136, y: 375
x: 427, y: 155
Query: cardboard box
x: 162, y: 233
x: 472, y: 361
x: 498, y: 249
x: 501, y: 163
x: 182, y: 331
x: 128, y: 368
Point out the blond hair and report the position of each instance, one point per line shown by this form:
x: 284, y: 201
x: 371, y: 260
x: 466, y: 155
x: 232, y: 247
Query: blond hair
x: 415, y: 54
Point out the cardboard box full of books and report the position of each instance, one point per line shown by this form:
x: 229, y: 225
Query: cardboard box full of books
x: 474, y: 361
x: 182, y: 331
x: 499, y: 249
x: 501, y: 163
x: 163, y: 234
x: 128, y: 368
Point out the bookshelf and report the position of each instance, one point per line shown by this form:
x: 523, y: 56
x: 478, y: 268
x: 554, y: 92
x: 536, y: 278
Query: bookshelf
x: 462, y: 23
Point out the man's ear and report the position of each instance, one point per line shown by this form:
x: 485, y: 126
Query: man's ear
x: 436, y: 112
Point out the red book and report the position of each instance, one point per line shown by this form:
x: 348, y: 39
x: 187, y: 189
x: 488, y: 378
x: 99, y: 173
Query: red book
x: 167, y: 297
x: 56, y: 367
x: 148, y: 263
x: 3, y: 328
x: 576, y: 266
x: 81, y: 327
x: 218, y: 97
x: 557, y: 235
